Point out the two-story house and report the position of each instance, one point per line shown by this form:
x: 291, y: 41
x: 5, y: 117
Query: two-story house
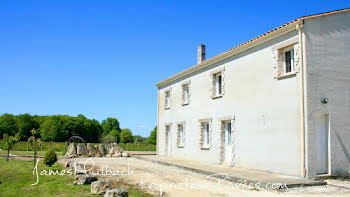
x: 279, y: 102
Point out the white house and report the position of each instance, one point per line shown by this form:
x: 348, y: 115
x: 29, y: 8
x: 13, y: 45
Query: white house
x: 279, y: 102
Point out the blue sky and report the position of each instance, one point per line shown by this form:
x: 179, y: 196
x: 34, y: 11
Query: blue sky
x: 103, y: 58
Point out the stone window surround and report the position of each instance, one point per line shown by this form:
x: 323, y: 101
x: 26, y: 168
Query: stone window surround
x: 183, y: 123
x: 201, y: 135
x: 278, y: 55
x: 188, y: 83
x: 165, y: 102
x: 221, y: 122
x: 213, y: 73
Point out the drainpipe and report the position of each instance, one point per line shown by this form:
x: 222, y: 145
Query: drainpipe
x: 303, y: 104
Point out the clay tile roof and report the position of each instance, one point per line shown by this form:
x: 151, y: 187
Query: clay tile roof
x: 227, y: 52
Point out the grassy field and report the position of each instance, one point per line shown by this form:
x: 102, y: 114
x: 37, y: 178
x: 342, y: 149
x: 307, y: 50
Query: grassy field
x: 61, y: 146
x: 17, y: 179
x: 137, y: 147
x: 40, y: 153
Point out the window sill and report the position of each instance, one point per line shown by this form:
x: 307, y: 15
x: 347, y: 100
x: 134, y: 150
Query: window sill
x: 217, y: 96
x: 167, y: 108
x: 184, y: 104
x: 205, y: 148
x: 287, y: 75
x: 180, y: 146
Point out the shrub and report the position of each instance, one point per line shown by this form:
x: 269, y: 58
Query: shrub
x: 109, y: 139
x: 50, y: 157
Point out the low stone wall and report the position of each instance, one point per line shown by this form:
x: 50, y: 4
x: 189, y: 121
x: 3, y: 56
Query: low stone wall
x: 80, y: 150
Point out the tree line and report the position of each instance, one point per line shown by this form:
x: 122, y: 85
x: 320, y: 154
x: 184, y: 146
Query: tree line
x: 60, y: 128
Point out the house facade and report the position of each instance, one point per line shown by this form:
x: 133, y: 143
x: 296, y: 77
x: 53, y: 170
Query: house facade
x: 278, y: 103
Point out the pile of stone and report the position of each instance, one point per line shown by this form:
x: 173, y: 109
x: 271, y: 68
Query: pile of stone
x: 80, y: 150
x: 97, y: 186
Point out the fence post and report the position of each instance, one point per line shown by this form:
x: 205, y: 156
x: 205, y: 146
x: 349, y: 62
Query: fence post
x: 149, y: 147
x: 54, y: 146
x: 65, y: 146
x: 27, y: 145
x: 131, y: 147
x: 127, y: 146
x: 138, y: 146
x: 41, y: 146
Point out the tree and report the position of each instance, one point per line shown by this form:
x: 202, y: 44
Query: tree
x: 8, y: 125
x: 126, y: 136
x: 152, y: 139
x: 34, y: 143
x: 25, y: 124
x: 9, y: 142
x: 115, y: 134
x: 52, y: 129
x: 138, y: 138
x: 109, y: 124
x: 50, y: 157
x: 98, y: 130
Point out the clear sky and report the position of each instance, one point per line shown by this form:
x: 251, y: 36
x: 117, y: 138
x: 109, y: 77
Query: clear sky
x: 103, y: 58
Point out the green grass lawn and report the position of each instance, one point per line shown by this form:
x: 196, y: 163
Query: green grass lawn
x: 137, y: 147
x: 39, y: 153
x: 17, y: 179
x: 62, y: 146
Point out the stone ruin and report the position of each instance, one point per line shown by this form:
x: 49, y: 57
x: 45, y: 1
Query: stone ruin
x: 80, y: 150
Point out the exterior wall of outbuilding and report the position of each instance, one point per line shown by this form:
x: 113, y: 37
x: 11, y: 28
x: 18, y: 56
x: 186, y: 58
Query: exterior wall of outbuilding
x: 327, y: 49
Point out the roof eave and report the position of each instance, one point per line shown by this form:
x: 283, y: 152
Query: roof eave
x: 277, y: 32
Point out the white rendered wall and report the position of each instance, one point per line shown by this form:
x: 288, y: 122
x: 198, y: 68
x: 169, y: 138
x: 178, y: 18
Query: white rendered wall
x: 328, y: 75
x: 266, y: 110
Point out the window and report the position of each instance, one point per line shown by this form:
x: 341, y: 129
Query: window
x: 180, y: 135
x: 217, y: 89
x: 205, y: 134
x: 167, y: 99
x: 185, y: 94
x: 288, y: 60
x: 218, y: 84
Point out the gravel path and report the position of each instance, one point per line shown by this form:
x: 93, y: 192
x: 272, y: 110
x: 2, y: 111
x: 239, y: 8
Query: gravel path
x: 170, y: 181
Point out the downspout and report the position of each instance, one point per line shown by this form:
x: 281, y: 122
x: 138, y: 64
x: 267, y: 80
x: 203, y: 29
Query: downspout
x: 302, y: 93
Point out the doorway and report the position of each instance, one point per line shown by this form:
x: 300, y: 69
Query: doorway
x: 168, y: 140
x: 228, y: 143
x: 322, y: 144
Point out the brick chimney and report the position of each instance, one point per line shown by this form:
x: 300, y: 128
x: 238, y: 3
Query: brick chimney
x: 200, y: 54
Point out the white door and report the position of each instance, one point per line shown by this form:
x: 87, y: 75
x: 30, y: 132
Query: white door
x: 168, y: 140
x: 322, y: 149
x: 228, y: 143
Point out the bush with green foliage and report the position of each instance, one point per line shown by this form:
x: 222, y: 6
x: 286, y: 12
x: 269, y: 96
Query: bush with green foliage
x: 109, y: 139
x: 152, y: 139
x: 50, y: 157
x: 126, y: 136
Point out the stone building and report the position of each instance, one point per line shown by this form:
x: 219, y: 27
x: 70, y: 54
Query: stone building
x: 278, y: 103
